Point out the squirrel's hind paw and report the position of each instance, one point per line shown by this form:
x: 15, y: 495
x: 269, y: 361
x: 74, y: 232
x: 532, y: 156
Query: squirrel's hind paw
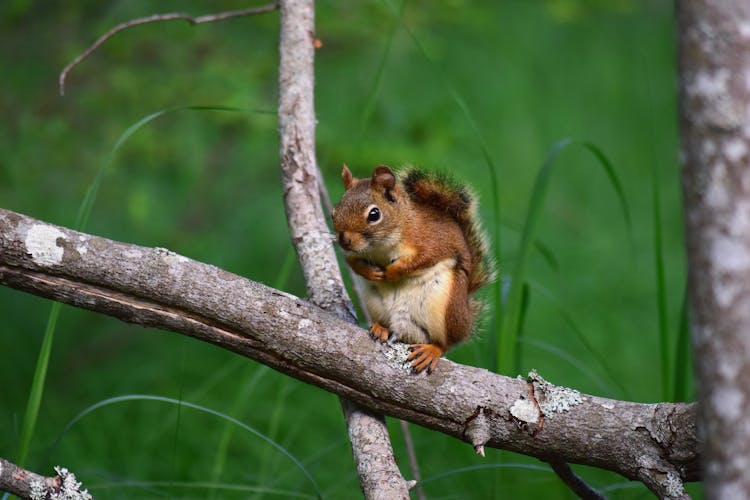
x: 379, y: 332
x: 424, y: 356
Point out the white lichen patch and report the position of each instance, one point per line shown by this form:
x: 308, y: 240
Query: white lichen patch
x: 69, y: 488
x: 397, y: 354
x: 674, y: 487
x: 554, y: 399
x: 39, y: 490
x: 170, y: 257
x: 525, y: 411
x: 41, y: 244
x: 560, y: 399
x: 304, y: 324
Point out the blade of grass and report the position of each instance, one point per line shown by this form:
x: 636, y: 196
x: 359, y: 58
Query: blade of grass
x: 273, y: 427
x: 617, y: 185
x: 252, y: 377
x: 472, y: 468
x: 582, y: 338
x: 682, y: 353
x: 525, y: 302
x: 193, y: 406
x: 37, y: 386
x: 377, y: 85
x: 661, y: 287
x: 176, y: 437
x: 570, y: 359
x: 84, y: 211
x: 511, y: 321
x: 200, y: 485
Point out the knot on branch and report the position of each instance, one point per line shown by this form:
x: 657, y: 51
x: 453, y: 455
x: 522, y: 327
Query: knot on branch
x: 477, y: 429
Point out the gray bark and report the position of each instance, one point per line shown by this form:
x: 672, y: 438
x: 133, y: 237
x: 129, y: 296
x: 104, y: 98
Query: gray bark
x: 652, y: 443
x: 27, y: 484
x: 714, y: 76
x: 373, y: 455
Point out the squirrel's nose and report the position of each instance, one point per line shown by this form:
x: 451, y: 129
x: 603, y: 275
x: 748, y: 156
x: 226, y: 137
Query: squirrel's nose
x: 344, y: 241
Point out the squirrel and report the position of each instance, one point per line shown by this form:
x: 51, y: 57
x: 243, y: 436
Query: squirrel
x: 416, y: 239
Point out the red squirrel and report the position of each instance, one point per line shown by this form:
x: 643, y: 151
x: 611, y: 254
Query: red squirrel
x: 415, y: 237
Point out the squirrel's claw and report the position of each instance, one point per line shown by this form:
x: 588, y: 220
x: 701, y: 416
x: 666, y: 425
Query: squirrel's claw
x: 424, y: 356
x: 379, y: 332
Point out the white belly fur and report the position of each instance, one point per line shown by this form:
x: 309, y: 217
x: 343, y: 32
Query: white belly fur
x: 413, y: 308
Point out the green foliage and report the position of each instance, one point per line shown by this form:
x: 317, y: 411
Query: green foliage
x: 478, y: 88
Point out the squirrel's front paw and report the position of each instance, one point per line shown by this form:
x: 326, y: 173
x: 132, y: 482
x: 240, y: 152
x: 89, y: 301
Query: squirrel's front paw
x: 424, y: 356
x: 365, y: 269
x: 379, y: 332
x: 374, y: 273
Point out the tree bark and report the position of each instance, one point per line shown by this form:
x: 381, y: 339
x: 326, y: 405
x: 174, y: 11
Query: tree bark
x: 26, y: 484
x: 371, y: 446
x: 652, y: 443
x: 714, y: 77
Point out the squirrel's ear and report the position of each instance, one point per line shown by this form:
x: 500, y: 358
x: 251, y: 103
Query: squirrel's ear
x: 382, y: 176
x: 346, y: 176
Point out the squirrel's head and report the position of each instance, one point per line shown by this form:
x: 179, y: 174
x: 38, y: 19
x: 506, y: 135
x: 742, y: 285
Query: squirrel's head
x: 369, y: 216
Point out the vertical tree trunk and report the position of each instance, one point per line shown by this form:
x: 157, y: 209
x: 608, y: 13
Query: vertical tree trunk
x: 714, y: 73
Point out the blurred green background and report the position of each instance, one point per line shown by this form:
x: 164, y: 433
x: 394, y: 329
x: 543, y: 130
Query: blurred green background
x: 445, y: 85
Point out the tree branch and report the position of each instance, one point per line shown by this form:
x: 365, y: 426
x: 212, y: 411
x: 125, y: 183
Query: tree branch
x: 155, y: 18
x: 575, y: 483
x: 373, y: 455
x: 26, y: 484
x: 652, y: 443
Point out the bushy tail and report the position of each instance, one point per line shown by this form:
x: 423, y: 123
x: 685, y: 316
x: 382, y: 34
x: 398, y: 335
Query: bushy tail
x: 443, y: 191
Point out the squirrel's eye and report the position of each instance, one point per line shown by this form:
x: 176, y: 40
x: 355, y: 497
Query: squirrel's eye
x: 373, y: 215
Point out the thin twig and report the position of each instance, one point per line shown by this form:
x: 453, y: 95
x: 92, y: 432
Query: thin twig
x: 210, y: 18
x: 574, y: 482
x: 413, y: 464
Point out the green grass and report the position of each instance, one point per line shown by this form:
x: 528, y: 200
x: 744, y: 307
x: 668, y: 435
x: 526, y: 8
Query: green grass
x: 517, y: 298
x: 192, y: 406
x: 481, y: 89
x: 84, y: 212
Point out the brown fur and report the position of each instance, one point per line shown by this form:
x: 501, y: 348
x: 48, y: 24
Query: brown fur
x: 418, y: 255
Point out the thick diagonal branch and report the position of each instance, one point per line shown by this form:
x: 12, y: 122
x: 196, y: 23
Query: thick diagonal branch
x: 653, y: 443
